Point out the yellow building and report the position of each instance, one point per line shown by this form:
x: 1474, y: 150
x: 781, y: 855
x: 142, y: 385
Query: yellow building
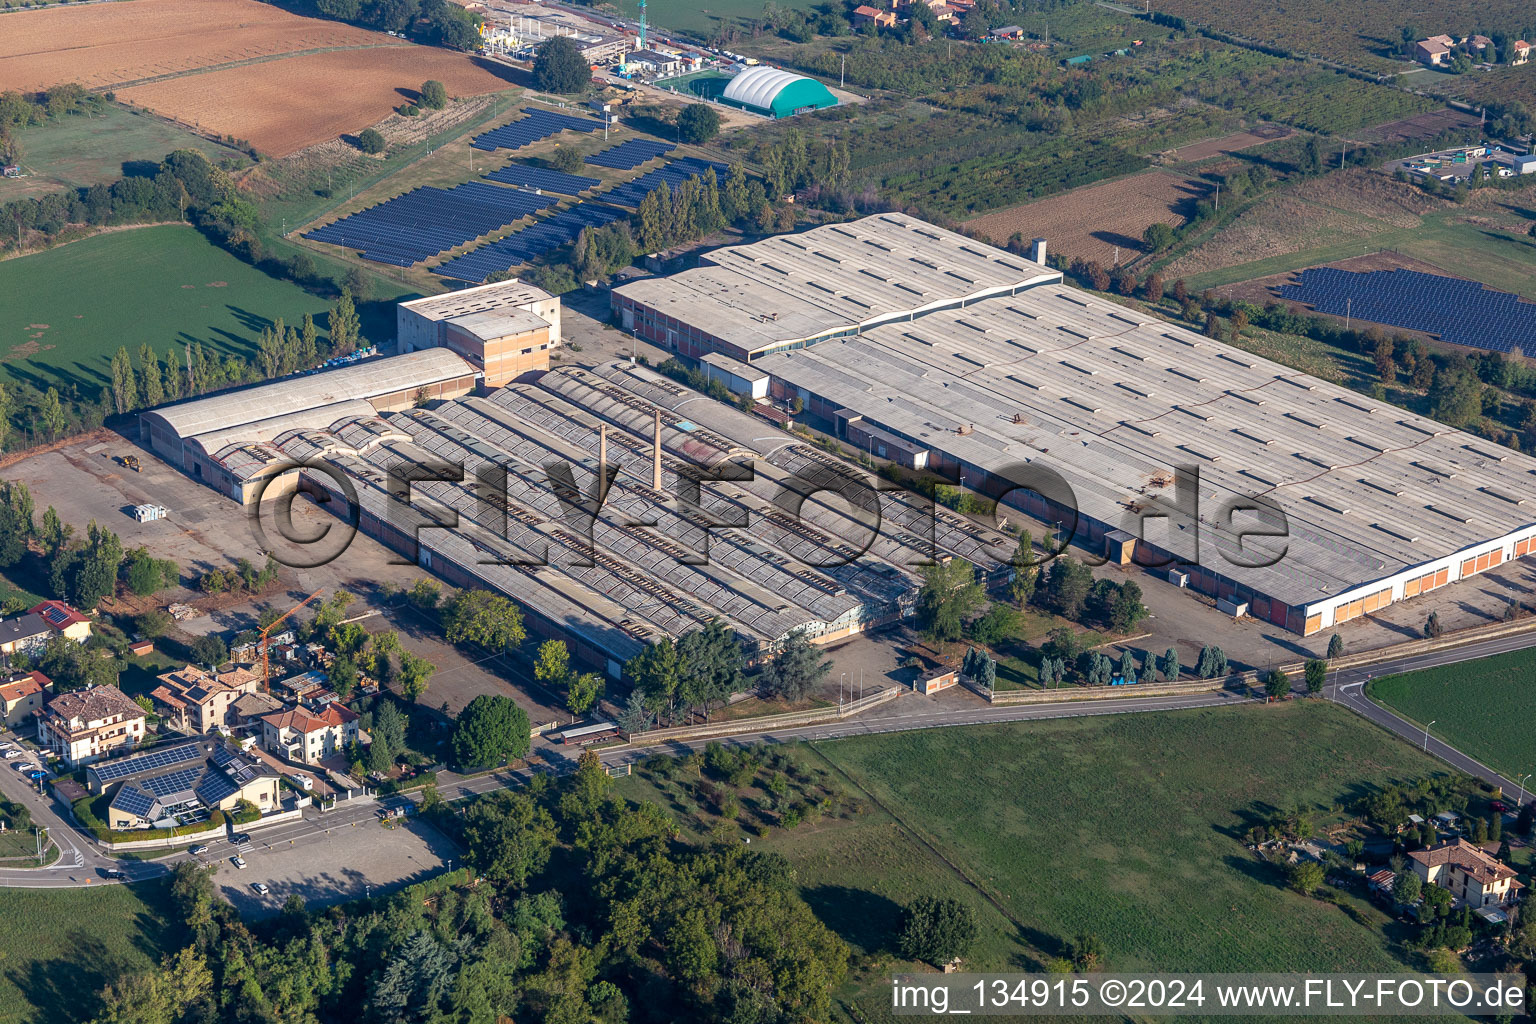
x: 504, y: 329
x: 1472, y: 876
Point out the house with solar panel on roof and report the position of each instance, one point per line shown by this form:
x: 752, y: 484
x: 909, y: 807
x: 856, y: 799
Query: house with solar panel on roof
x: 183, y: 784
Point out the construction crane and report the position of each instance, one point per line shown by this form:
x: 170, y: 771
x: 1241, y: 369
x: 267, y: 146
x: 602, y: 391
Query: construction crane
x: 266, y: 671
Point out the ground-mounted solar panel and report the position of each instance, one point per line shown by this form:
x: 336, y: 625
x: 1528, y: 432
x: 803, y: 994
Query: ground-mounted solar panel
x: 1458, y: 311
x: 538, y: 124
x: 673, y: 173
x: 629, y: 155
x: 528, y: 244
x: 544, y: 178
x: 427, y: 221
x: 163, y: 757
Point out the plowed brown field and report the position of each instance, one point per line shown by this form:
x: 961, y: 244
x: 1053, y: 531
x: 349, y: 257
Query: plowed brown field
x: 282, y: 106
x: 101, y: 45
x: 1090, y: 222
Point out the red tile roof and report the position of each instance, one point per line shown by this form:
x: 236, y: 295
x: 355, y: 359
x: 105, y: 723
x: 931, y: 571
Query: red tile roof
x: 59, y: 615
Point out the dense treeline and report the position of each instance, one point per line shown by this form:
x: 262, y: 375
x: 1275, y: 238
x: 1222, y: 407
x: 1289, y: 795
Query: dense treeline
x: 583, y: 909
x: 427, y: 21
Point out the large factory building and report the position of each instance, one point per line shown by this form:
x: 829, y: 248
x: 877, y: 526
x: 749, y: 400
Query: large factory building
x: 1004, y: 377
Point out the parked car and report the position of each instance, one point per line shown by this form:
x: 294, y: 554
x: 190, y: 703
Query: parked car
x: 238, y: 861
x: 12, y: 754
x: 261, y: 888
x: 198, y: 850
x: 26, y: 767
x: 39, y: 774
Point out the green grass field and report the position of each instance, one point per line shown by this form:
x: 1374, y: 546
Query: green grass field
x: 78, y: 151
x: 1123, y: 826
x: 704, y: 17
x: 1481, y: 707
x: 65, y: 311
x: 61, y: 946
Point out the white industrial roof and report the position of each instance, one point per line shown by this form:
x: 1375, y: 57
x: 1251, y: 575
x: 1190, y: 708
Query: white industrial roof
x: 499, y: 323
x: 1114, y: 400
x: 500, y: 295
x: 260, y: 431
x: 758, y: 86
x: 371, y: 378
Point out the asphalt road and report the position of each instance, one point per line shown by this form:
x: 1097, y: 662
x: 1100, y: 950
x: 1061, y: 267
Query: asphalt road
x: 82, y: 862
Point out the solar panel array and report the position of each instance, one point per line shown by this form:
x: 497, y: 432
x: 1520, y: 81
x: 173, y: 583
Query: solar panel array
x: 539, y: 124
x: 674, y: 173
x: 216, y: 787
x: 426, y: 221
x: 165, y: 757
x: 543, y: 178
x: 171, y: 783
x: 631, y: 154
x: 133, y: 800
x: 527, y: 244
x: 1459, y: 312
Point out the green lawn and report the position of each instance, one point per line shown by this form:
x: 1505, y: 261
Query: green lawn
x: 61, y: 946
x: 72, y: 152
x: 699, y: 16
x: 1482, y: 707
x: 65, y: 311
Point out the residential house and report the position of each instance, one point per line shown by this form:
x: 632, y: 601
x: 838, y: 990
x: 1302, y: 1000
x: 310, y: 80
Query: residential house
x: 249, y: 708
x: 197, y: 702
x: 1469, y: 872
x: 25, y: 634
x: 84, y: 726
x: 1519, y: 52
x: 1478, y: 43
x: 183, y: 783
x: 866, y: 15
x: 1434, y: 51
x: 22, y: 695
x: 64, y: 620
x: 309, y: 736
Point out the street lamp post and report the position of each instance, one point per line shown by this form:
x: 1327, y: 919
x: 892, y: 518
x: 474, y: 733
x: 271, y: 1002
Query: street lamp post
x: 1426, y: 736
x: 1521, y: 802
x: 840, y: 683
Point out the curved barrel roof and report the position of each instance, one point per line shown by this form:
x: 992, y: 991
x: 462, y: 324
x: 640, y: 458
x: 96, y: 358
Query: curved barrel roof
x: 777, y: 91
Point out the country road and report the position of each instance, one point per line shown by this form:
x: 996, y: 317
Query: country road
x: 83, y: 863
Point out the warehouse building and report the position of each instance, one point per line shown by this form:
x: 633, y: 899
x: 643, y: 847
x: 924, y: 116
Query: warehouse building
x: 834, y: 281
x: 224, y: 439
x: 1188, y: 446
x: 749, y: 552
x: 503, y: 329
x: 776, y: 93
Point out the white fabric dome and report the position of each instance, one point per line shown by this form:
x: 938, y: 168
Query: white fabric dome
x: 758, y: 86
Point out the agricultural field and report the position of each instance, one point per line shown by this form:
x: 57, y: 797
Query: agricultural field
x: 1481, y: 708
x: 274, y: 108
x: 1226, y: 145
x: 105, y: 45
x: 1091, y: 222
x: 1357, y: 212
x: 1363, y: 35
x: 64, y: 312
x: 79, y: 151
x: 60, y: 945
x: 1423, y: 126
x: 702, y: 19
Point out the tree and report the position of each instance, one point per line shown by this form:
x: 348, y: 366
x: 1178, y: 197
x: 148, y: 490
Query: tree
x: 1067, y: 584
x: 415, y: 674
x: 344, y: 324
x: 491, y: 731
x: 1335, y: 646
x: 999, y: 623
x: 481, y: 617
x: 125, y: 391
x: 1432, y: 627
x: 1154, y: 287
x: 937, y: 929
x: 1169, y: 665
x: 1276, y: 684
x: 583, y: 691
x: 1212, y: 663
x: 948, y: 596
x: 655, y: 672
x: 1087, y: 952
x: 16, y: 524
x: 93, y: 572
x: 795, y: 670
x: 433, y: 94
x: 1305, y: 876
x: 553, y: 667
x: 1026, y: 571
x: 1406, y: 887
x: 153, y: 623
x: 146, y: 574
x: 1316, y: 672
x: 424, y: 594
x: 1158, y: 237
x: 708, y: 666
x: 567, y: 159
x: 635, y: 717
x: 558, y: 66
x: 388, y: 734
x: 208, y: 650
x: 370, y: 141
x: 509, y: 836
x: 699, y: 122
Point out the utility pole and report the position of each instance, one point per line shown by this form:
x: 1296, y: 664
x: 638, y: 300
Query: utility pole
x: 843, y: 72
x: 1218, y: 197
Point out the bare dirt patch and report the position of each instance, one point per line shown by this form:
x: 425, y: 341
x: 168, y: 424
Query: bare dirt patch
x: 101, y: 45
x: 274, y: 104
x: 1228, y: 143
x: 1420, y: 126
x: 1091, y: 222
